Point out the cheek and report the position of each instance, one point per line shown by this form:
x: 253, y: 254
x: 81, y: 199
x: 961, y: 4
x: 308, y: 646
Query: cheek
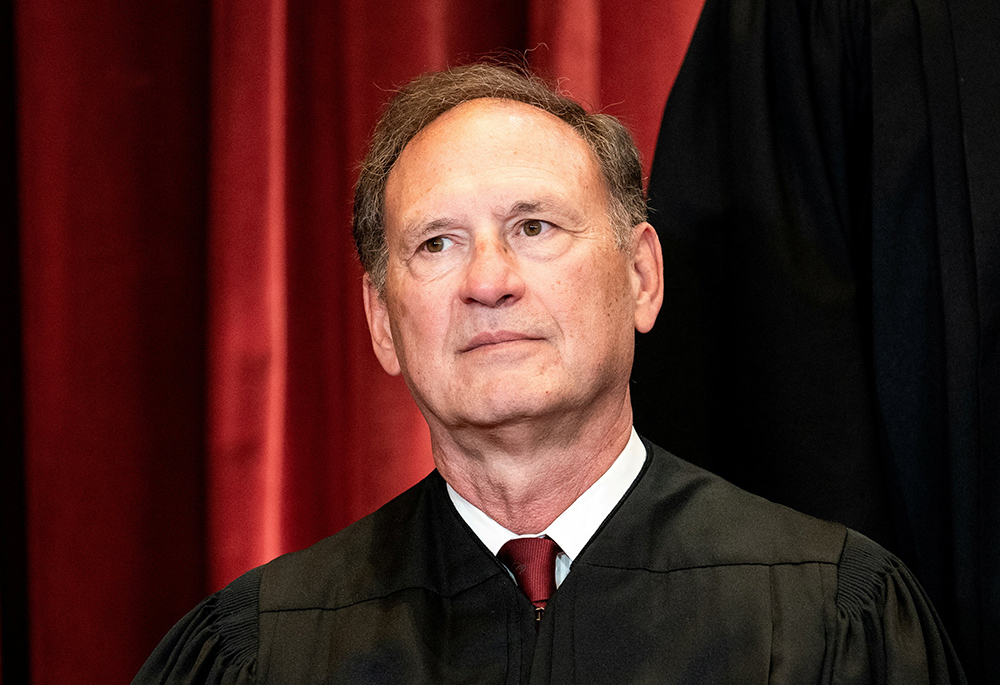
x: 420, y: 326
x: 607, y: 279
x: 591, y: 301
x: 614, y: 311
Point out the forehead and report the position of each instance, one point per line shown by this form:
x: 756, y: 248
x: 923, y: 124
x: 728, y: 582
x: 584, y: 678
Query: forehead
x: 482, y: 144
x: 483, y: 121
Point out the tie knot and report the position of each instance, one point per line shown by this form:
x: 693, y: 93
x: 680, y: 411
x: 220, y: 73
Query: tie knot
x: 533, y: 563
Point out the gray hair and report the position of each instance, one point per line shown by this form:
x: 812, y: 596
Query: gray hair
x: 431, y: 95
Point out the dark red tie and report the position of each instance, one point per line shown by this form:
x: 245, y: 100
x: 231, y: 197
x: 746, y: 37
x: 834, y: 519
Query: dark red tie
x: 533, y: 563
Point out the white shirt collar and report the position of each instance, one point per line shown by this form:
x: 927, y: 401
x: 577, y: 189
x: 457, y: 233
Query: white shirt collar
x: 573, y: 528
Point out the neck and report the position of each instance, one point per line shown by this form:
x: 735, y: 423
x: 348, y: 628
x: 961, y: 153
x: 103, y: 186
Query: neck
x: 524, y: 475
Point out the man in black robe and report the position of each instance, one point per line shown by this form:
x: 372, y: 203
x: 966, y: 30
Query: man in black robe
x: 508, y: 263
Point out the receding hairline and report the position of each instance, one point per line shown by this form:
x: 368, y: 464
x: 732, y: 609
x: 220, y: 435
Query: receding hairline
x: 594, y: 162
x: 499, y: 103
x: 490, y: 101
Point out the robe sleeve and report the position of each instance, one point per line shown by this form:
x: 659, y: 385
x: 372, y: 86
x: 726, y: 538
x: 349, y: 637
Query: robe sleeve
x: 215, y: 644
x: 887, y: 630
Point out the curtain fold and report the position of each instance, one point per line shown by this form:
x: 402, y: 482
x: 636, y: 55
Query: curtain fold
x: 247, y: 286
x: 112, y: 124
x: 199, y: 391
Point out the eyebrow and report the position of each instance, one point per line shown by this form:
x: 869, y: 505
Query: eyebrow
x: 523, y: 207
x: 544, y: 206
x: 426, y: 228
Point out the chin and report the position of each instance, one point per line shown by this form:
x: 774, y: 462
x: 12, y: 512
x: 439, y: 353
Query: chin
x: 510, y: 410
x: 494, y: 416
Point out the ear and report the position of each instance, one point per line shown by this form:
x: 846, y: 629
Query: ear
x: 377, y: 313
x: 647, y: 275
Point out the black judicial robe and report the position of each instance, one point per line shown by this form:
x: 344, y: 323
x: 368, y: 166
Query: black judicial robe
x: 826, y: 187
x: 689, y: 580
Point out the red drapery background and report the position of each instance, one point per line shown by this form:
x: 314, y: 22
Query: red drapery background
x: 198, y: 389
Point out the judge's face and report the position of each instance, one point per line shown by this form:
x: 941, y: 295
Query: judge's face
x: 506, y: 297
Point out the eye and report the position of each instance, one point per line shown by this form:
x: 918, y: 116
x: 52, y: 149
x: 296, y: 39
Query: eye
x: 437, y: 244
x: 533, y: 227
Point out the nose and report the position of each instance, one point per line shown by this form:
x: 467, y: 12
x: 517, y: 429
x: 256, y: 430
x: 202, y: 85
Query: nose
x: 492, y: 276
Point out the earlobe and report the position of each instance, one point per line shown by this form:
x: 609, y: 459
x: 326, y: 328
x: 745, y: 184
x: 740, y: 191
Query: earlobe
x: 647, y: 276
x: 377, y: 313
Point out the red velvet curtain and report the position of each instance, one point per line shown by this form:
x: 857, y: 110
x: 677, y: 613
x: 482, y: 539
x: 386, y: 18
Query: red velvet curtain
x: 198, y: 390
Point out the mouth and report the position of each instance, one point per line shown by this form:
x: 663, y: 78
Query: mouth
x: 494, y: 338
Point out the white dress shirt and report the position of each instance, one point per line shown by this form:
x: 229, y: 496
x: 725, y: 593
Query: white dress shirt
x: 573, y: 528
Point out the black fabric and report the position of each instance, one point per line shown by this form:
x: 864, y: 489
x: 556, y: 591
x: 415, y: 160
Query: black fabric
x: 826, y: 187
x: 15, y: 627
x: 689, y: 580
x: 215, y: 643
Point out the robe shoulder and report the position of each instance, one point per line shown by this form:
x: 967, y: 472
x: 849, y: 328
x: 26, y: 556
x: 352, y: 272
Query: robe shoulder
x: 887, y: 629
x: 821, y: 588
x: 702, y: 520
x: 414, y: 541
x: 216, y: 643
